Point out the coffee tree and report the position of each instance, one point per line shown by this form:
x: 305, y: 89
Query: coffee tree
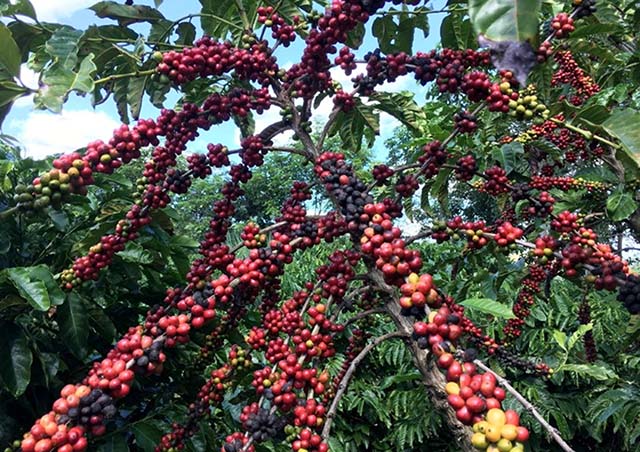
x: 531, y: 311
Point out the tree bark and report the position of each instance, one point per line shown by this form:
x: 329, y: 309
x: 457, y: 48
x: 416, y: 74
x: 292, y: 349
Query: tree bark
x: 433, y: 380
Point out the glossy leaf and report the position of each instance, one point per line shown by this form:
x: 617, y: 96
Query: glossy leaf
x: 620, y: 206
x: 10, y: 91
x: 74, y: 325
x: 147, y: 436
x: 136, y: 254
x: 100, y: 322
x: 114, y: 443
x: 126, y: 14
x: 578, y: 335
x: 60, y: 81
x: 456, y: 32
x: 9, y: 53
x: 509, y: 155
x: 356, y: 124
x: 596, y: 372
x: 489, y: 306
x: 623, y: 125
x: 18, y: 8
x: 16, y: 359
x: 505, y: 20
x: 31, y: 289
x: 402, y: 107
x: 63, y: 46
x: 135, y: 95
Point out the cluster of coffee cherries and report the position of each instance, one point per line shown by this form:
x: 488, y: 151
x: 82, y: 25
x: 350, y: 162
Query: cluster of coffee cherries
x: 281, y: 31
x: 47, y: 435
x: 571, y: 74
x: 527, y: 106
x: 70, y: 175
x: 261, y: 423
x: 507, y: 234
x: 211, y: 393
x: 381, y: 239
x: 525, y: 299
x: 500, y: 431
x: 473, y: 395
x: 629, y: 294
x: 339, y: 179
x: 562, y: 25
x: 73, y: 172
x: 312, y: 74
x: 455, y: 228
x: 237, y: 442
x: 465, y: 122
x: 251, y: 236
x: 209, y: 57
x: 80, y: 405
x: 419, y: 291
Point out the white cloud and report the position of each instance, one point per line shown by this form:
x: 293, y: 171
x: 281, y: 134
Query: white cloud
x: 43, y: 133
x: 55, y: 10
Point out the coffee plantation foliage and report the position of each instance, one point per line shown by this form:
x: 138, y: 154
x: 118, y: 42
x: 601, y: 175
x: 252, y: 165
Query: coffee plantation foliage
x: 466, y: 284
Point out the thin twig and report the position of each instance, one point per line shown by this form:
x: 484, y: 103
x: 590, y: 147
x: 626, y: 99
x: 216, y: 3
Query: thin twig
x: 342, y: 387
x: 364, y: 314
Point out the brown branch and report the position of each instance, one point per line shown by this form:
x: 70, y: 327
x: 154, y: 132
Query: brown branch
x: 433, y: 380
x: 527, y: 406
x: 344, y: 383
x: 364, y: 314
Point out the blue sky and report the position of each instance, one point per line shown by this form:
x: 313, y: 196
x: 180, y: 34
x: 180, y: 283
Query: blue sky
x: 43, y: 133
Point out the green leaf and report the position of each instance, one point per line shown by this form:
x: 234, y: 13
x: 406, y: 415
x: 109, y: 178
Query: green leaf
x: 59, y: 219
x: 578, y: 334
x: 16, y: 359
x: 10, y: 91
x: 126, y: 14
x: 74, y: 325
x: 10, y: 56
x: 561, y: 339
x: 505, y: 20
x: 594, y: 371
x: 101, y: 322
x: 42, y: 273
x: 623, y: 125
x: 120, y: 92
x: 50, y: 364
x: 456, y: 32
x: 509, y: 155
x: 186, y: 32
x: 593, y: 114
x: 355, y: 36
x: 353, y: 126
x: 60, y: 81
x: 489, y: 306
x: 17, y: 8
x: 227, y: 10
x: 33, y: 290
x: 63, y: 46
x: 114, y: 443
x: 160, y: 30
x: 147, y: 436
x: 385, y: 29
x: 136, y: 254
x: 135, y: 93
x: 620, y: 205
x: 402, y: 107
